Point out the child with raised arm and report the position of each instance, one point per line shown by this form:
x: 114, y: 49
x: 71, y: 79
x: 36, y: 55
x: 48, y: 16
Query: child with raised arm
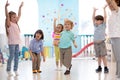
x: 66, y: 38
x: 99, y: 37
x: 13, y: 34
x: 36, y: 51
x: 57, y: 30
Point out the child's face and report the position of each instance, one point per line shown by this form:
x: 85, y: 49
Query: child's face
x: 59, y: 28
x: 13, y: 18
x: 68, y: 26
x: 98, y: 22
x: 38, y: 36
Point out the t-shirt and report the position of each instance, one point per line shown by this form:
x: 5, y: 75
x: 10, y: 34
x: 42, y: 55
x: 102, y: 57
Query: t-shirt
x: 114, y: 24
x: 99, y: 32
x: 66, y: 38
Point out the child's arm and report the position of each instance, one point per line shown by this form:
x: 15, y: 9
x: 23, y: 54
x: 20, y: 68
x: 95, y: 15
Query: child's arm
x: 74, y: 43
x: 93, y: 16
x: 19, y: 11
x: 42, y: 53
x: 31, y: 55
x: 105, y: 15
x: 7, y: 14
x: 54, y: 24
x: 112, y: 4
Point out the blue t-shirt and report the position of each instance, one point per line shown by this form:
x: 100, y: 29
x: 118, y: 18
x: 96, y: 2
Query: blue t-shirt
x: 99, y: 32
x: 36, y: 46
x: 66, y: 37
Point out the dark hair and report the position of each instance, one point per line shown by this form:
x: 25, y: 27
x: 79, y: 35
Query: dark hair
x: 61, y: 26
x: 40, y: 32
x: 118, y: 2
x: 99, y: 17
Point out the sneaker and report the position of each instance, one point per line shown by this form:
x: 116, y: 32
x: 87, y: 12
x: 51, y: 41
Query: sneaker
x: 98, y: 69
x: 16, y: 73
x: 34, y: 71
x: 67, y: 72
x: 9, y: 73
x: 106, y: 70
x: 39, y: 71
x: 70, y: 67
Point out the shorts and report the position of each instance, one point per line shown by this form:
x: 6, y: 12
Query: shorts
x: 100, y: 49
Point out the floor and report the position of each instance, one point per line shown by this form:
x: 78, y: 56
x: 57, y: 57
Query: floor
x: 82, y: 69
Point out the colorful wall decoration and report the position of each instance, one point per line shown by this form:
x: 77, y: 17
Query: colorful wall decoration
x: 61, y: 9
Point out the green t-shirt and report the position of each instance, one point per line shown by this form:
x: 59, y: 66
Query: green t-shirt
x: 66, y: 38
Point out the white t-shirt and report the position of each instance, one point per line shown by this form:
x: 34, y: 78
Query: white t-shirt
x: 114, y: 24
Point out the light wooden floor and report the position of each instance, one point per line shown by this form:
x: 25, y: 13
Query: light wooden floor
x: 82, y: 69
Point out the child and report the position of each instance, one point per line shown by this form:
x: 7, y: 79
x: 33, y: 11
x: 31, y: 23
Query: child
x: 36, y: 50
x: 99, y: 38
x: 57, y: 30
x: 66, y: 37
x: 13, y: 34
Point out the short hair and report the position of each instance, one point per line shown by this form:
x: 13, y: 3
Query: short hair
x: 99, y: 17
x: 69, y: 21
x: 40, y: 32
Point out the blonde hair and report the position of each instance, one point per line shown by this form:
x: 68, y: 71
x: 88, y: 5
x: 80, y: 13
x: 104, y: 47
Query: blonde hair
x: 69, y: 21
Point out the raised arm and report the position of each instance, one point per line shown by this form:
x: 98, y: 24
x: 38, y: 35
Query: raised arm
x: 105, y: 15
x: 94, y: 13
x: 54, y: 24
x: 112, y: 5
x: 7, y: 14
x: 19, y: 11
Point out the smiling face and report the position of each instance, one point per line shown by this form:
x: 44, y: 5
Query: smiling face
x: 59, y: 28
x: 13, y: 18
x: 68, y: 25
x: 38, y: 36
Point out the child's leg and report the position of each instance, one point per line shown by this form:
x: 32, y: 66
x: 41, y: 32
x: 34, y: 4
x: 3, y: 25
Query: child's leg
x: 105, y: 64
x: 38, y: 63
x: 99, y: 61
x: 16, y: 59
x: 99, y: 69
x: 67, y: 60
x: 11, y: 55
x: 104, y: 60
x: 34, y: 63
x: 56, y: 55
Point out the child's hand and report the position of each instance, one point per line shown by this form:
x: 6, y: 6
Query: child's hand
x: 75, y: 45
x: 7, y: 4
x: 32, y: 58
x: 95, y: 9
x: 55, y: 19
x: 105, y: 6
x: 43, y: 59
x: 21, y: 4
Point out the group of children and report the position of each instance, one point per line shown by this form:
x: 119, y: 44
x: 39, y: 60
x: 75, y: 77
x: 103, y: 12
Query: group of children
x: 63, y: 37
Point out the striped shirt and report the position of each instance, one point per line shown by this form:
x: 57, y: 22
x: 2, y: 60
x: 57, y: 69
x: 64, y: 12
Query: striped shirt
x: 56, y: 36
x: 13, y: 34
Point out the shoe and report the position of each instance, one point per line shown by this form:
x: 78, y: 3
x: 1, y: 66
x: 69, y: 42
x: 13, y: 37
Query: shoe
x: 16, y: 73
x: 34, y: 71
x: 70, y: 67
x: 9, y: 73
x: 67, y: 72
x: 39, y: 71
x: 99, y: 69
x: 106, y: 70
